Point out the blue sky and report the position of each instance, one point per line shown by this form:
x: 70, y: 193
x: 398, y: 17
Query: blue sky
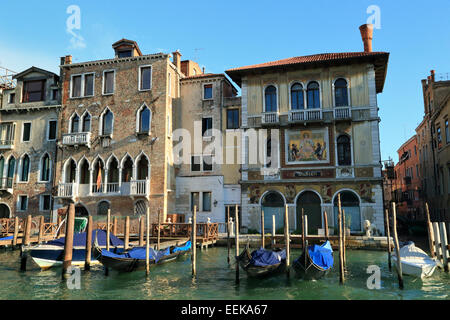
x: 225, y: 34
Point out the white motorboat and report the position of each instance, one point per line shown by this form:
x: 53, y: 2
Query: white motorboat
x: 415, y: 261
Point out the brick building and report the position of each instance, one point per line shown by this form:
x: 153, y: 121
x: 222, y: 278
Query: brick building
x: 29, y: 109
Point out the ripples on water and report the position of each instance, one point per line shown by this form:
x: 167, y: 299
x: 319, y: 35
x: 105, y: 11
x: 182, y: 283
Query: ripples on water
x: 215, y: 281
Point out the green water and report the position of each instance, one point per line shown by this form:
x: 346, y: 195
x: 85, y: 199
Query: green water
x: 215, y: 281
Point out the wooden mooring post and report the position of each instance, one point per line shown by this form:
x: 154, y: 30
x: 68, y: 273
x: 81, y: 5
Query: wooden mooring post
x: 325, y: 223
x: 344, y: 237
x: 68, y: 243
x: 262, y: 229
x: 27, y: 232
x: 287, y: 239
x: 388, y: 234
x: 341, y: 253
x: 141, y: 231
x: 444, y: 245
x: 25, y: 242
x: 303, y: 230
x: 236, y: 240
x: 228, y: 234
x: 108, y: 232
x: 16, y: 231
x: 430, y: 232
x: 41, y: 229
x: 397, y: 246
x: 147, y: 243
x: 90, y: 227
x: 114, y: 232
x: 126, y: 233
x: 158, y: 244
x: 273, y: 230
x: 194, y: 242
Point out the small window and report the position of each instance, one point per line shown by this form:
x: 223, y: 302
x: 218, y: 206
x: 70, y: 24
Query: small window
x: 207, y: 163
x: 86, y: 127
x: 107, y: 123
x: 207, y: 91
x: 144, y: 116
x: 270, y: 98
x: 207, y: 127
x: 297, y: 101
x: 313, y: 95
x: 52, y: 124
x: 45, y: 202
x: 45, y: 168
x: 12, y: 98
x: 75, y: 124
x: 195, y: 163
x: 194, y: 200
x: 26, y: 133
x: 341, y: 93
x: 125, y: 54
x: 206, y: 201
x: 233, y: 119
x: 34, y: 91
x: 76, y: 86
x: 88, y: 85
x: 55, y: 94
x: 22, y: 203
x: 108, y: 82
x: 344, y: 151
x: 25, y: 169
x: 145, y: 78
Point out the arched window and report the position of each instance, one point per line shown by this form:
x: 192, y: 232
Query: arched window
x: 297, y: 101
x: 113, y: 176
x: 344, y: 150
x: 102, y: 208
x: 142, y: 168
x: 45, y: 168
x: 144, y: 119
x: 127, y: 169
x: 70, y: 171
x: 107, y: 123
x: 313, y: 95
x: 340, y: 93
x: 2, y: 167
x: 270, y: 98
x: 99, y: 176
x: 86, y: 123
x: 75, y: 124
x: 25, y: 169
x: 84, y: 172
x: 11, y: 169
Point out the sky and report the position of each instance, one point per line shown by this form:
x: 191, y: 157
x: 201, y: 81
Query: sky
x: 220, y: 35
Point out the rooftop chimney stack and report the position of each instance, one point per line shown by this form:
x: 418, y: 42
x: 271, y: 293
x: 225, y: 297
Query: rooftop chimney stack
x: 177, y: 59
x: 432, y: 75
x: 367, y: 35
x: 68, y: 59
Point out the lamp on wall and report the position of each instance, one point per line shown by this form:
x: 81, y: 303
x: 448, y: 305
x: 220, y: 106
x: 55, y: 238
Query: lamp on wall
x: 215, y: 203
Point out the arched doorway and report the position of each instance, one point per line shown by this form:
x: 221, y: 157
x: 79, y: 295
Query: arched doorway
x: 350, y: 204
x: 4, y: 211
x: 81, y: 211
x: 273, y: 205
x: 310, y: 203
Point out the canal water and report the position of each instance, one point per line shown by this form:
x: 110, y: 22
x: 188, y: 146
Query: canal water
x: 215, y: 281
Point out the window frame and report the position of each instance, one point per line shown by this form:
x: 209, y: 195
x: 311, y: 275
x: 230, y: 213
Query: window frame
x: 238, y: 118
x: 83, y: 116
x: 334, y: 92
x: 104, y: 82
x: 138, y: 120
x: 48, y: 129
x: 71, y: 122
x: 210, y: 201
x: 82, y: 85
x: 23, y: 132
x: 140, y: 77
x: 24, y: 86
x: 12, y: 98
x: 101, y: 127
x: 276, y: 98
x: 199, y: 163
x: 350, y: 151
x: 21, y: 168
x: 18, y: 206
x: 320, y: 94
x: 212, y: 91
x: 203, y: 162
x: 291, y: 84
x: 41, y: 202
x: 41, y: 167
x: 208, y: 136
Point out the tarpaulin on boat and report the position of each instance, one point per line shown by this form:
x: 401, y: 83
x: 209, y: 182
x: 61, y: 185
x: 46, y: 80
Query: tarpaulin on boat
x: 7, y: 238
x: 79, y: 239
x: 186, y: 247
x: 264, y: 257
x: 322, y: 256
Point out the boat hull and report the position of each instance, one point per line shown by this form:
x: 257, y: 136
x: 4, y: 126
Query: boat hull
x: 416, y: 269
x: 308, y: 271
x: 259, y: 271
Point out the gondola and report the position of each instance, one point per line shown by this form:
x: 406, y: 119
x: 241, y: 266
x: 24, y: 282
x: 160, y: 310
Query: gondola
x: 262, y: 263
x: 135, y: 258
x: 315, y: 262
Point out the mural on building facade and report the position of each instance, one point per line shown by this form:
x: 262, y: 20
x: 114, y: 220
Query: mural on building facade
x: 307, y: 146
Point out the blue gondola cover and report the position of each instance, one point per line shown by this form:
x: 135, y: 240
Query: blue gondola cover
x: 7, y: 238
x: 322, y: 256
x: 79, y: 239
x: 262, y: 257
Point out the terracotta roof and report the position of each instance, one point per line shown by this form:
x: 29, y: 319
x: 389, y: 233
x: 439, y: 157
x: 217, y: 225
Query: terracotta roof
x: 204, y: 75
x: 317, y: 60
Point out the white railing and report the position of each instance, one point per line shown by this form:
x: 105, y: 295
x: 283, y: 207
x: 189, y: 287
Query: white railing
x: 305, y: 115
x: 110, y: 187
x: 6, y: 144
x: 269, y: 117
x: 6, y: 183
x: 140, y: 187
x: 79, y: 138
x: 67, y: 190
x: 342, y: 113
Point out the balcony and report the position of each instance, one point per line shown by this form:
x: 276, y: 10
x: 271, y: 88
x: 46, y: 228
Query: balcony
x: 6, y: 144
x: 270, y: 118
x: 132, y: 188
x: 140, y: 187
x: 67, y: 190
x: 342, y: 113
x: 305, y: 115
x: 6, y: 184
x: 77, y: 139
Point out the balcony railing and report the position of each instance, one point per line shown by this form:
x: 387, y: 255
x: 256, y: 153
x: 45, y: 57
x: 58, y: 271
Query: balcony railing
x: 342, y: 113
x: 305, y: 115
x: 140, y: 187
x: 132, y: 188
x: 67, y: 190
x: 6, y: 144
x: 269, y: 118
x: 6, y: 184
x: 79, y: 138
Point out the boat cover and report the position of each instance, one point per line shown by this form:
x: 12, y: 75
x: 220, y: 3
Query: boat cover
x: 321, y: 256
x: 7, y: 238
x: 263, y: 258
x: 186, y: 247
x: 79, y: 239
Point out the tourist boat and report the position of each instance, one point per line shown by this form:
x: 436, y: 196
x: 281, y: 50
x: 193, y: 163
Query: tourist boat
x: 415, y: 261
x: 51, y: 253
x: 315, y: 262
x: 262, y: 263
x: 135, y: 258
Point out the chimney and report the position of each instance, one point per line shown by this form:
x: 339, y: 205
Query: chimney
x: 432, y: 75
x: 68, y: 59
x: 203, y: 70
x: 367, y: 35
x: 177, y: 59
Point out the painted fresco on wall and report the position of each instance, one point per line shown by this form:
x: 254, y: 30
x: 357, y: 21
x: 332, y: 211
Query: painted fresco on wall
x: 290, y: 193
x: 307, y: 146
x: 365, y: 191
x: 255, y: 194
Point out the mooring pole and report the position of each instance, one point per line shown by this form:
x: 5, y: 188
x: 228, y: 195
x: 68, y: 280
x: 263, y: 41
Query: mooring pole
x: 388, y: 235
x: 108, y: 235
x: 444, y: 245
x: 16, y: 231
x: 236, y: 239
x: 194, y: 242
x: 26, y: 240
x: 114, y: 226
x: 126, y: 232
x: 325, y: 223
x: 87, y: 261
x: 430, y: 232
x: 286, y: 239
x: 437, y: 242
x: 397, y: 246
x: 159, y: 230
x: 262, y: 229
x: 344, y: 236
x: 68, y: 244
x: 41, y: 229
x: 341, y: 256
x: 141, y: 231
x: 228, y: 234
x: 303, y: 230
x: 273, y: 230
x: 147, y: 244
